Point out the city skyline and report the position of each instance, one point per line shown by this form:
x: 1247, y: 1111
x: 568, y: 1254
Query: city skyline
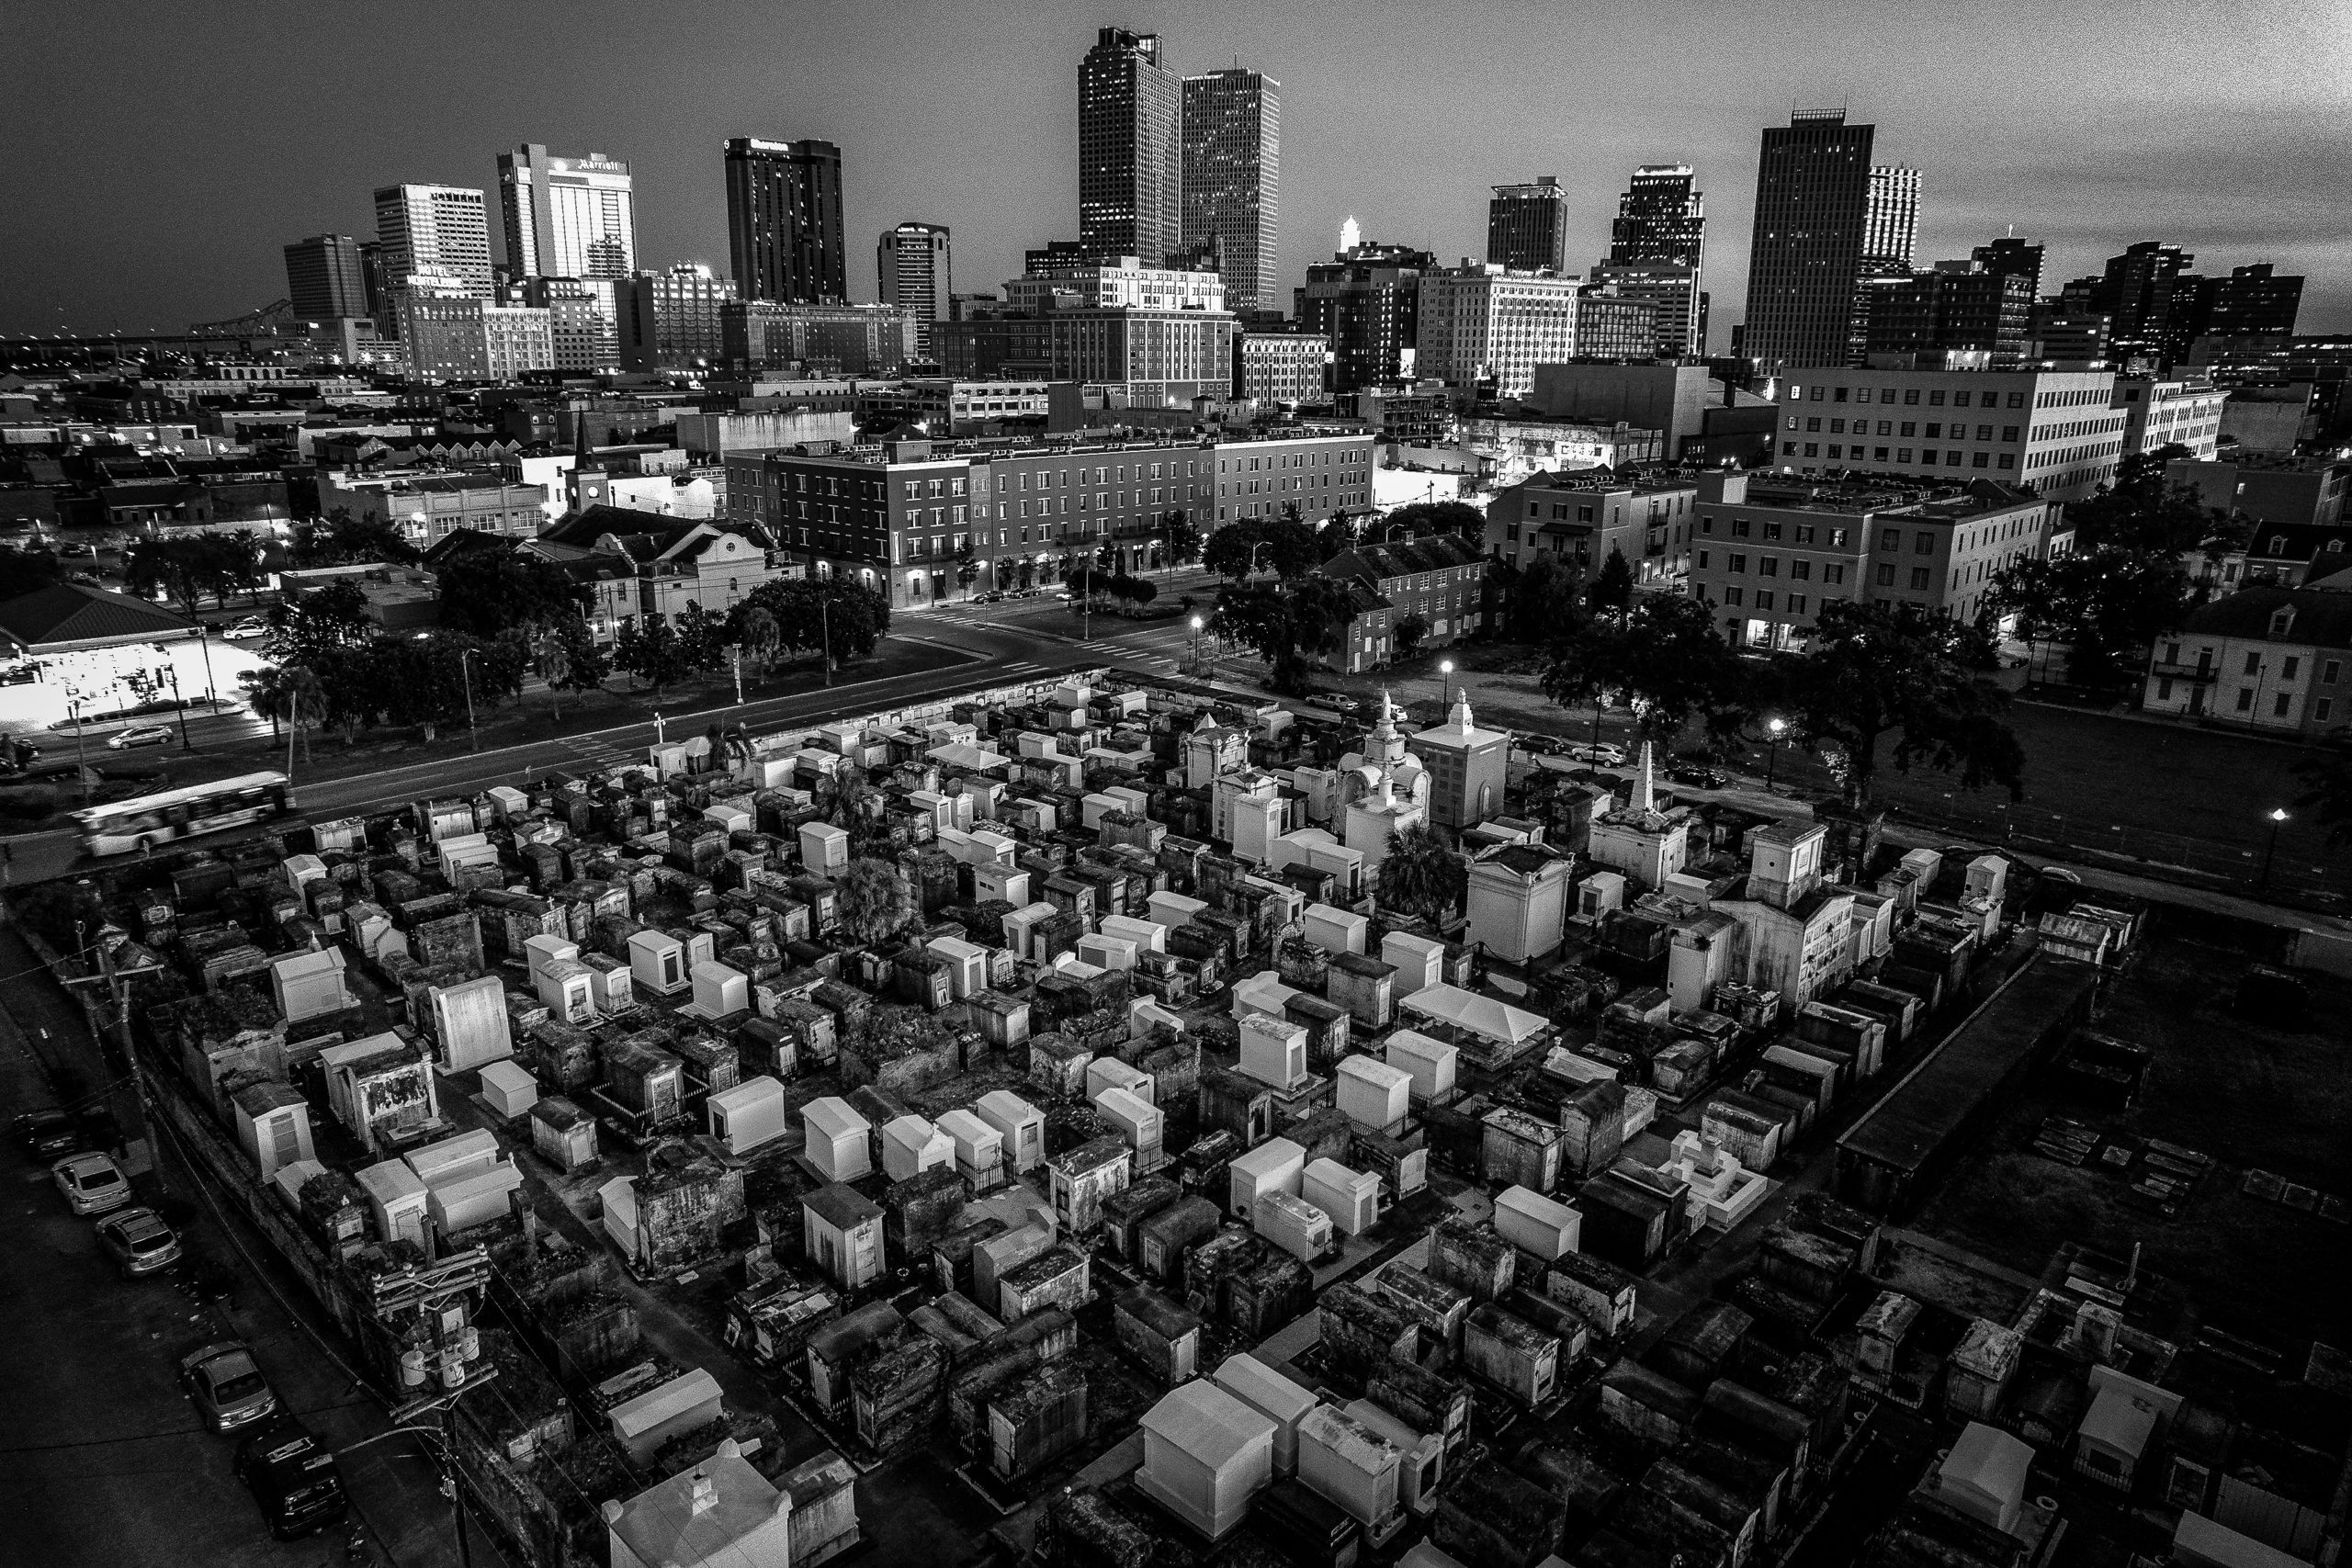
x: 2239, y: 175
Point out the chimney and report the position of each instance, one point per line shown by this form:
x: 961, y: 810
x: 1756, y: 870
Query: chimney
x: 705, y: 1493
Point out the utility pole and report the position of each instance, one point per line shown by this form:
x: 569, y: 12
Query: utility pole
x: 81, y: 756
x: 825, y: 614
x: 182, y: 705
x: 465, y: 674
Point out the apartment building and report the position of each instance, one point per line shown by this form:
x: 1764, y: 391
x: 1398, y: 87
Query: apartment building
x: 2170, y: 411
x: 1768, y: 551
x: 1280, y: 367
x: 1441, y: 579
x: 1581, y: 516
x: 1481, y: 326
x: 2274, y: 659
x: 900, y: 516
x: 2061, y: 432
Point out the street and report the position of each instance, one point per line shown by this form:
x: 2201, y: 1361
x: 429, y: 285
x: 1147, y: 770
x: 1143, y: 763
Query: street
x: 995, y: 643
x: 105, y: 1462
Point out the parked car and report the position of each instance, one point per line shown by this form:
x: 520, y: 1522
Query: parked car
x: 1697, y: 775
x: 1602, y: 752
x: 2060, y: 873
x: 138, y: 1241
x: 295, y: 1480
x: 83, y: 551
x: 250, y: 626
x: 1338, y: 702
x: 140, y: 735
x: 92, y: 1183
x: 20, y: 673
x: 225, y: 1384
x: 49, y: 1135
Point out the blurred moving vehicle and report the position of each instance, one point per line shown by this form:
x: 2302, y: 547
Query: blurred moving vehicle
x: 225, y: 1384
x: 140, y: 735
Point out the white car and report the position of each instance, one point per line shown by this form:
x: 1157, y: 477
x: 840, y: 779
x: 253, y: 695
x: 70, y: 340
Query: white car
x: 240, y: 631
x: 140, y: 735
x: 1604, y: 754
x: 91, y: 1182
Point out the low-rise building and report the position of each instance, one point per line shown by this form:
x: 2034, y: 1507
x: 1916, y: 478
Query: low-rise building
x: 2273, y: 659
x: 2061, y: 431
x: 2170, y: 411
x: 1280, y: 367
x: 1582, y: 517
x: 1441, y: 580
x: 1768, y: 553
x: 429, y: 507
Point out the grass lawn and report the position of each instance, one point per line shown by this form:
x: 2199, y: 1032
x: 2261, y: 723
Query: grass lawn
x: 2249, y: 1096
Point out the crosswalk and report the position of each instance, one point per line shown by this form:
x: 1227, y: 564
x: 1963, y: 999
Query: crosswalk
x: 596, y: 752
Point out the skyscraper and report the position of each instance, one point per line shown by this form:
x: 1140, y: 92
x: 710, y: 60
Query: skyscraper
x: 443, y: 229
x: 783, y: 219
x: 1657, y: 252
x: 1130, y: 155
x: 566, y: 217
x: 917, y: 273
x: 2151, y: 296
x: 1813, y: 190
x: 1366, y: 300
x: 2251, y: 303
x: 1891, y: 225
x: 324, y: 279
x: 1527, y: 226
x: 1232, y: 169
x: 2012, y: 257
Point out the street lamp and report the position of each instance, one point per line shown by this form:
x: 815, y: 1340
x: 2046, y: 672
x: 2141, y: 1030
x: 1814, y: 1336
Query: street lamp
x: 1197, y: 624
x: 466, y: 674
x: 1445, y: 679
x: 1774, y: 728
x: 2278, y: 820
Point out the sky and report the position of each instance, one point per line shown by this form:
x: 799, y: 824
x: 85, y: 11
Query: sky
x: 160, y: 155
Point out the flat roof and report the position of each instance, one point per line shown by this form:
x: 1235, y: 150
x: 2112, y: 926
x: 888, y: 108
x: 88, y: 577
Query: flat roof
x: 1903, y: 1130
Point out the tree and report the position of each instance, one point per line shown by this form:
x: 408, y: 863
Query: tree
x: 2127, y: 581
x: 2330, y: 795
x: 1287, y: 625
x: 552, y: 652
x: 1230, y: 548
x: 318, y: 622
x: 1336, y: 537
x: 1543, y: 602
x: 873, y: 900
x: 587, y: 665
x: 854, y: 802
x: 1291, y: 547
x: 1874, y: 670
x: 1665, y: 660
x: 1614, y: 589
x: 1140, y: 590
x: 485, y: 592
x: 967, y: 568
x: 1408, y: 633
x: 340, y: 540
x: 264, y: 694
x: 806, y: 609
x: 1179, y: 539
x: 752, y: 628
x: 703, y: 641
x: 650, y: 651
x: 187, y: 568
x: 1421, y: 875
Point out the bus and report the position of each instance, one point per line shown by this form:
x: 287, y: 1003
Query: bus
x: 146, y: 821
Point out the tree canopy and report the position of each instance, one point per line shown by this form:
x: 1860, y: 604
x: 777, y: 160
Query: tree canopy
x: 804, y: 607
x: 192, y: 567
x: 1874, y: 670
x: 340, y: 540
x: 484, y: 592
x: 1287, y: 625
x: 1664, y: 659
x: 1427, y: 518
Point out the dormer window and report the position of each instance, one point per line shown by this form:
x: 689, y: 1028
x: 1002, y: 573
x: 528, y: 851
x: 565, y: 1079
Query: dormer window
x: 2277, y: 543
x: 2282, y: 620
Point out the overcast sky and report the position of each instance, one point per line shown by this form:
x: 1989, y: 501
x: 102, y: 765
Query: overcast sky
x: 160, y: 155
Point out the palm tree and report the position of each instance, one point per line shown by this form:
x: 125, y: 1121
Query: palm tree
x: 305, y: 699
x: 265, y: 693
x: 552, y: 649
x: 1421, y: 875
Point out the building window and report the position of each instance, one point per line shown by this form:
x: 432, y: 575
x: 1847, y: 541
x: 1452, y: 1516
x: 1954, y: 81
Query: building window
x: 2288, y: 666
x: 1702, y: 561
x: 2279, y: 705
x: 1919, y: 581
x: 1800, y: 568
x: 2246, y: 699
x: 2253, y: 664
x: 1797, y: 604
x: 1731, y: 595
x: 2164, y: 689
x: 2330, y: 670
x: 2320, y: 709
x: 1832, y: 572
x: 1890, y: 539
x: 1923, y: 545
x: 1885, y: 576
x: 1763, y: 598
x: 1734, y: 564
